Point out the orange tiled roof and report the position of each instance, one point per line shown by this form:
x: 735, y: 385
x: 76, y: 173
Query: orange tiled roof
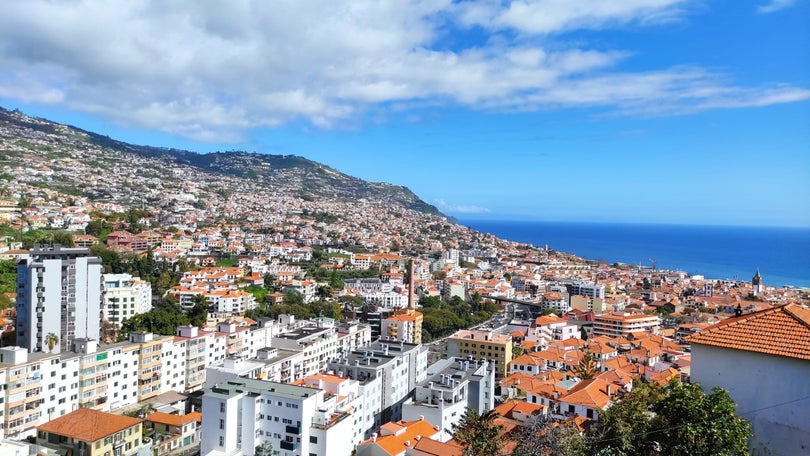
x: 437, y: 448
x: 394, y: 443
x: 88, y: 425
x: 781, y: 331
x: 589, y: 393
x: 170, y: 419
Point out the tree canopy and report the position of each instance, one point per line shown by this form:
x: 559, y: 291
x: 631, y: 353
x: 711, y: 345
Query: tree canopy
x: 480, y: 434
x: 675, y: 419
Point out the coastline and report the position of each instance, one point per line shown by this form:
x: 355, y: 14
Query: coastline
x: 715, y: 252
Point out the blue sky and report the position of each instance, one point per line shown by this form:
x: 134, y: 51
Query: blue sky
x: 651, y: 111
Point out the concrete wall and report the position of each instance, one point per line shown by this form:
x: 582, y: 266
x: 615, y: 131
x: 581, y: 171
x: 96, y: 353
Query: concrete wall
x: 772, y: 392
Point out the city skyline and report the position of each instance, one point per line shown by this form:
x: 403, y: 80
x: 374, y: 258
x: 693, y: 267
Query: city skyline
x: 652, y: 111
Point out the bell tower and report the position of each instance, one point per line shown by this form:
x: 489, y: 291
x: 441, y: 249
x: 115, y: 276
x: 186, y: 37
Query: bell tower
x: 756, y: 283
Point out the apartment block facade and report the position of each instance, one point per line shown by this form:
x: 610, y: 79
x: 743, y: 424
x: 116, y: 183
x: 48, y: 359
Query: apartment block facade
x: 59, y: 292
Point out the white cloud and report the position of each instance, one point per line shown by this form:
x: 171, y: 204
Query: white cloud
x: 555, y: 16
x: 775, y: 5
x: 212, y: 71
x: 444, y: 206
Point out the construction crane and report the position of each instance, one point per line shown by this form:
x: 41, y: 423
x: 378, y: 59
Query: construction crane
x: 654, y: 263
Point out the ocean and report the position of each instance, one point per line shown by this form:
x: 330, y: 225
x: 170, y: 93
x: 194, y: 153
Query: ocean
x: 716, y: 252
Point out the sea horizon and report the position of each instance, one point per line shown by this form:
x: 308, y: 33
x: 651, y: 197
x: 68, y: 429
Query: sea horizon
x: 720, y: 252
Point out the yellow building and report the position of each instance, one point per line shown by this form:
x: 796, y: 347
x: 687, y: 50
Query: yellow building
x: 92, y: 433
x: 149, y: 363
x: 405, y: 326
x: 496, y: 348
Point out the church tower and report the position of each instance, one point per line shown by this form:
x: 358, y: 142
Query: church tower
x: 756, y: 283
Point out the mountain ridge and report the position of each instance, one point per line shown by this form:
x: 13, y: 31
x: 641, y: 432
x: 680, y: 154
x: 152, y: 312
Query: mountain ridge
x: 302, y: 177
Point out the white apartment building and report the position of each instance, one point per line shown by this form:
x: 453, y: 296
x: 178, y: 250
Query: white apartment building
x: 195, y: 343
x: 229, y: 301
x: 58, y: 292
x: 296, y: 420
x: 317, y: 345
x: 387, y: 374
x: 551, y: 327
x: 386, y: 300
x: 125, y: 296
x: 592, y: 290
x: 452, y: 386
x: 619, y: 324
x: 352, y: 336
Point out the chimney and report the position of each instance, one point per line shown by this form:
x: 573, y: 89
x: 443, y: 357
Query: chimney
x: 374, y: 437
x: 411, y: 294
x: 607, y: 390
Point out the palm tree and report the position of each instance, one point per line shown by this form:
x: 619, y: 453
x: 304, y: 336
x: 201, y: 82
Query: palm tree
x: 479, y: 434
x: 51, y: 340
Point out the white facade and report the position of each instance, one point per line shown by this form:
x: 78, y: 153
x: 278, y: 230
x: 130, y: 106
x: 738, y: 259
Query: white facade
x: 297, y: 420
x: 387, y: 374
x: 125, y: 296
x: 453, y: 385
x: 317, y: 345
x: 386, y: 300
x: 770, y: 391
x: 44, y: 279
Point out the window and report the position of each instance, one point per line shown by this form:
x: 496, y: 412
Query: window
x: 222, y: 424
x: 222, y: 408
x: 313, y: 439
x: 221, y: 441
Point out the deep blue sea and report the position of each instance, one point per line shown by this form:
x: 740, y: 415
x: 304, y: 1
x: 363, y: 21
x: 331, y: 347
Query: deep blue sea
x: 717, y: 252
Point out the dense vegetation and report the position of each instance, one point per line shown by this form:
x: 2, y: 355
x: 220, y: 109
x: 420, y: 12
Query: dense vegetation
x: 442, y: 318
x: 8, y: 282
x: 675, y: 419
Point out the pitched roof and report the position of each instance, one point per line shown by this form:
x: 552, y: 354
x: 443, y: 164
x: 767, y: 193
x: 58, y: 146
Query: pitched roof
x: 402, y: 434
x: 88, y: 425
x: 437, y: 448
x: 781, y: 331
x: 589, y: 393
x: 170, y: 419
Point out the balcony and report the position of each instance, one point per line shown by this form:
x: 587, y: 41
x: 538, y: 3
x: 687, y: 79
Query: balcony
x: 293, y: 430
x: 289, y: 446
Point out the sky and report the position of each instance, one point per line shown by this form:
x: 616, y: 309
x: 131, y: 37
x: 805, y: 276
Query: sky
x: 648, y: 111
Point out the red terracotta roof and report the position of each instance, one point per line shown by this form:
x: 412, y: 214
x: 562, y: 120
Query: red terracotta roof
x: 781, y: 331
x: 88, y: 425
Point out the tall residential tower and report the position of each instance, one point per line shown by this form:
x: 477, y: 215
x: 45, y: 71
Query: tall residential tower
x: 59, y: 292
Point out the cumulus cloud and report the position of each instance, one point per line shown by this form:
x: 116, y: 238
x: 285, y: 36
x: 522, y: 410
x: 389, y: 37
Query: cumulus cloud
x: 775, y: 5
x: 444, y: 206
x: 212, y: 70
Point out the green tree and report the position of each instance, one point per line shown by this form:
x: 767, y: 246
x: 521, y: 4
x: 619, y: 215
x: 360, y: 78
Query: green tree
x: 538, y: 436
x: 111, y: 260
x: 51, y: 340
x: 269, y: 281
x: 676, y: 419
x: 293, y: 298
x: 480, y: 434
x: 694, y: 423
x: 198, y: 315
x: 157, y: 321
x: 264, y: 449
x: 587, y: 368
